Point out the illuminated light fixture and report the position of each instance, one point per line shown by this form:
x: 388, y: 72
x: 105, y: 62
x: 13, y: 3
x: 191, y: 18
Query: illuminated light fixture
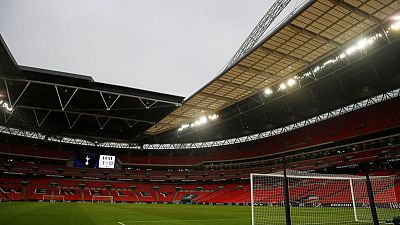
x: 213, y: 117
x: 359, y: 46
x: 203, y: 120
x: 282, y: 86
x: 184, y: 126
x: 268, y: 91
x: 6, y: 106
x: 363, y: 43
x: 350, y: 50
x: 397, y: 17
x: 316, y: 69
x: 395, y: 26
x: 291, y: 82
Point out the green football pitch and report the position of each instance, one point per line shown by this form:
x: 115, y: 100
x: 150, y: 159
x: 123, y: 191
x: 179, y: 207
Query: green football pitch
x: 36, y: 213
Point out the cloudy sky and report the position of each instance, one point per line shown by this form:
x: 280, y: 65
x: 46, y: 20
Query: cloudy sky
x: 169, y: 46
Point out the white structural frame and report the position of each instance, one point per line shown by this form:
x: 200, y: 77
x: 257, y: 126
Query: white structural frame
x: 102, y: 196
x: 196, y: 145
x: 51, y: 197
x: 347, y: 177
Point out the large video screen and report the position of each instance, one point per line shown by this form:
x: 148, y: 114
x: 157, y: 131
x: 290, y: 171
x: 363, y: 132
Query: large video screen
x: 88, y: 160
x: 107, y: 161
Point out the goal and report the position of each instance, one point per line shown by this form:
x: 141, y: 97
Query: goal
x: 320, y: 198
x: 53, y: 198
x: 101, y: 198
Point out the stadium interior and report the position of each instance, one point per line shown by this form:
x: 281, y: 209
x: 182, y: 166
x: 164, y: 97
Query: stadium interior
x: 319, y: 93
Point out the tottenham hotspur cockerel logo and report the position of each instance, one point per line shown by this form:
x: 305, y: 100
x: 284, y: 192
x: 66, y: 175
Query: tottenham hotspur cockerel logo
x: 87, y: 160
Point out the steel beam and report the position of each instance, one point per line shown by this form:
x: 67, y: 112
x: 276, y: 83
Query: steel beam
x: 218, y: 97
x: 71, y: 125
x: 85, y: 113
x: 69, y: 99
x: 19, y: 96
x: 283, y: 55
x: 39, y: 123
x: 254, y: 71
x: 105, y: 102
x: 259, y: 30
x: 314, y: 35
x: 356, y: 10
x: 94, y: 90
x: 230, y: 84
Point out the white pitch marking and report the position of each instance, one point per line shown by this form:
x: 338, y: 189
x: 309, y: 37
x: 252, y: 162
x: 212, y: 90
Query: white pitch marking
x: 169, y: 221
x: 121, y: 223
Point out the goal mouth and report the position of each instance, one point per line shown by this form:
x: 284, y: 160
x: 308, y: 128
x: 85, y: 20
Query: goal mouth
x: 315, y: 198
x: 53, y: 198
x: 102, y: 199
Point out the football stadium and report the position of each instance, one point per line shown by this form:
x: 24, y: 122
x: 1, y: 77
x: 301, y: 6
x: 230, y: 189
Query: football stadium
x: 302, y: 127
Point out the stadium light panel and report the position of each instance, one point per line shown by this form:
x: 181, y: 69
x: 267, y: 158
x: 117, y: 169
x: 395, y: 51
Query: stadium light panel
x: 268, y: 91
x: 396, y: 17
x: 363, y: 43
x: 395, y: 26
x: 291, y: 82
x: 203, y: 120
x: 213, y: 117
x: 282, y: 86
x: 6, y: 106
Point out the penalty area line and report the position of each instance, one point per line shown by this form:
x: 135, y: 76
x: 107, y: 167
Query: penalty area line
x: 121, y: 223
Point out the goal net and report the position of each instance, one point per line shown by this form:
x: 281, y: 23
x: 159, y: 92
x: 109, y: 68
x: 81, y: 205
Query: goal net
x: 53, y: 198
x: 102, y: 199
x: 320, y: 198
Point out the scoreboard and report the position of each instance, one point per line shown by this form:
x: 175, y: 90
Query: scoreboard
x: 107, y: 161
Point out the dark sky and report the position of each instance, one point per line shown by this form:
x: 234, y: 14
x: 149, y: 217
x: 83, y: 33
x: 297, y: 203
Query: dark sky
x: 169, y: 46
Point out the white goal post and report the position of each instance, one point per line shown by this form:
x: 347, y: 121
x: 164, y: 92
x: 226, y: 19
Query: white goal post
x: 320, y: 198
x: 53, y: 198
x: 102, y: 198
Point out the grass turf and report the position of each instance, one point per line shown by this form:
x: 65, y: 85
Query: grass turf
x: 35, y: 213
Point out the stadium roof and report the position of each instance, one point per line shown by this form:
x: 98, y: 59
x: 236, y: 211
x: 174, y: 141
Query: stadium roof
x: 75, y: 105
x: 318, y: 29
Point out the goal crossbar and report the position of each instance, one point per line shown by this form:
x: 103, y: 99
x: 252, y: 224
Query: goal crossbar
x: 98, y: 198
x: 53, y: 198
x: 319, y: 177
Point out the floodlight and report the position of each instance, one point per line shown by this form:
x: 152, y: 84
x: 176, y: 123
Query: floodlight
x: 282, y: 86
x: 291, y: 82
x: 203, y: 120
x: 350, y: 50
x: 268, y: 91
x: 395, y: 26
x: 213, y: 117
x: 362, y: 43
